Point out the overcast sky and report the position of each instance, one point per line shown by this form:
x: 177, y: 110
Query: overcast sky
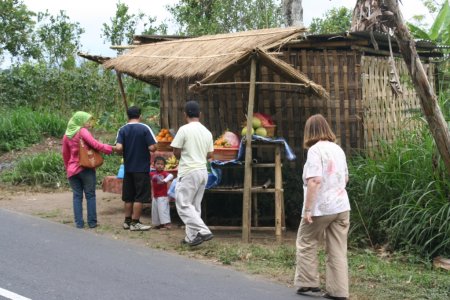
x: 91, y: 14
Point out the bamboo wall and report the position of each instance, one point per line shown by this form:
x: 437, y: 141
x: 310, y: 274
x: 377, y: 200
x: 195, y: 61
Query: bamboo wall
x: 385, y: 113
x: 339, y: 73
x: 361, y: 108
x: 225, y: 107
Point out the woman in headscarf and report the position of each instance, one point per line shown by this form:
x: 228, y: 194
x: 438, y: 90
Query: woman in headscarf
x: 81, y: 179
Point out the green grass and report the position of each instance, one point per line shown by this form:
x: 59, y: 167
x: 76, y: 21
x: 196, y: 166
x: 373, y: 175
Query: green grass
x: 402, y: 197
x: 372, y: 275
x: 47, y: 170
x: 22, y: 127
x: 399, y: 277
x: 43, y: 169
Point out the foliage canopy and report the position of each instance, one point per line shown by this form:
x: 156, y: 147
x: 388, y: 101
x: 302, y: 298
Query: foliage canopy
x: 16, y: 29
x: 202, y: 17
x: 334, y: 20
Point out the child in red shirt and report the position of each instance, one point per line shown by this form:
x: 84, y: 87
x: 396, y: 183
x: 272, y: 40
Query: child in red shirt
x: 160, y: 199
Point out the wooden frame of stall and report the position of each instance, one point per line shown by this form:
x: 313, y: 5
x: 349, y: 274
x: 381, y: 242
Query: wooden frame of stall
x: 296, y: 79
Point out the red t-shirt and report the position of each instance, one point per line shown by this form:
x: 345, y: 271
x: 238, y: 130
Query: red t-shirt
x: 159, y: 189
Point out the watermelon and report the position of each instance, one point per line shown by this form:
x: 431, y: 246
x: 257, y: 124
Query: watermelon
x: 266, y: 120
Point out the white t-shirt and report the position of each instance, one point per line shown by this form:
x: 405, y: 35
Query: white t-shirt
x: 195, y: 141
x: 327, y: 160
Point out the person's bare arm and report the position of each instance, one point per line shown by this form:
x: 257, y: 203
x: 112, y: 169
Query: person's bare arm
x: 209, y: 155
x: 152, y: 148
x: 177, y: 152
x: 313, y: 185
x: 119, y: 148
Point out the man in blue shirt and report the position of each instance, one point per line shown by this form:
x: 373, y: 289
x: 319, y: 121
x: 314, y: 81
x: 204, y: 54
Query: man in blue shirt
x: 135, y: 140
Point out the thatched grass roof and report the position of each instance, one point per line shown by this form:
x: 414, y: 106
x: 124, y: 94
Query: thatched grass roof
x: 286, y: 71
x: 197, y: 57
x: 95, y: 58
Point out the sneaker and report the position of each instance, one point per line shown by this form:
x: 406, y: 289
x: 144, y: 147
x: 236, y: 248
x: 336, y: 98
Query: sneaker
x: 197, y: 241
x: 206, y: 237
x: 139, y: 227
x: 308, y: 290
x: 328, y: 296
x: 126, y: 226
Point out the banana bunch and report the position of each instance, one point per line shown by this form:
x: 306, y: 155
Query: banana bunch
x: 171, y: 163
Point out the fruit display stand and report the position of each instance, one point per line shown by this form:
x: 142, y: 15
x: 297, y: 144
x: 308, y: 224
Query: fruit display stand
x: 163, y: 147
x: 252, y: 210
x: 224, y: 154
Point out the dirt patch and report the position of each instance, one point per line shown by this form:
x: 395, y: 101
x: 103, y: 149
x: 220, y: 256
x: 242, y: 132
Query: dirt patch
x: 8, y: 159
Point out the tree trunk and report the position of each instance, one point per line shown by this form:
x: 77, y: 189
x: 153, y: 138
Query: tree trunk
x: 392, y: 18
x: 365, y: 16
x: 293, y: 13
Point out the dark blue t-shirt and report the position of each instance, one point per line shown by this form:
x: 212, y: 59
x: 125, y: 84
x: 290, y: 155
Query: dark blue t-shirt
x: 136, y: 138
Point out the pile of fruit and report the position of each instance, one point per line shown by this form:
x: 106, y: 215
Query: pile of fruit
x: 171, y: 163
x: 259, y: 124
x: 227, y: 140
x: 164, y: 136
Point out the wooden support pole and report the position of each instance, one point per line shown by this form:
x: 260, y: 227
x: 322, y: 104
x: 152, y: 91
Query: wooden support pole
x: 278, y: 194
x: 122, y: 91
x: 247, y: 195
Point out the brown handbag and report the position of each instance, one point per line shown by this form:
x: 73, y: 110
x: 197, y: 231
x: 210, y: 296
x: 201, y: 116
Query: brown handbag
x: 89, y: 158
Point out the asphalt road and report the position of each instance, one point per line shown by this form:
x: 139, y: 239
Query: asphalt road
x: 40, y: 259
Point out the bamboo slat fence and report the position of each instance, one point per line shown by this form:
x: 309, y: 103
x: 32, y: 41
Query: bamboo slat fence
x: 361, y: 108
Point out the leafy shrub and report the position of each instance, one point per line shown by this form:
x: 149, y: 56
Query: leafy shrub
x: 87, y: 87
x: 47, y: 169
x: 402, y: 197
x: 22, y: 127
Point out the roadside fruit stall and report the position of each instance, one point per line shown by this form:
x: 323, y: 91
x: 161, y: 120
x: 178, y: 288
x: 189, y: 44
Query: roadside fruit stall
x: 232, y: 76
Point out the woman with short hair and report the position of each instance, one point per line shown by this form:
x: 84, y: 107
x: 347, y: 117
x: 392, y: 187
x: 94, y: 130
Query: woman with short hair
x: 325, y: 213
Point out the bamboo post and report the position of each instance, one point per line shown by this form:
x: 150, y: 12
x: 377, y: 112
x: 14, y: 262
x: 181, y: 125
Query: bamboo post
x: 278, y: 194
x: 247, y: 195
x: 122, y: 91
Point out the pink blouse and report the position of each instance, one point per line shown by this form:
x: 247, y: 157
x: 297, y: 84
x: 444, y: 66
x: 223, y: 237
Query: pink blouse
x: 70, y: 149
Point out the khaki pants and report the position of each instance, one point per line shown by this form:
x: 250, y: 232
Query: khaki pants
x: 188, y: 198
x: 335, y: 228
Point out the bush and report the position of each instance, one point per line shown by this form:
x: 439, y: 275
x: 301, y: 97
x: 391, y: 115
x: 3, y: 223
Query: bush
x: 47, y: 169
x: 22, y: 127
x: 87, y: 88
x: 402, y: 197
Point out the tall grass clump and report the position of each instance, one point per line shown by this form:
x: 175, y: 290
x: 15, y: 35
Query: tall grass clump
x: 21, y: 127
x: 47, y: 169
x: 401, y: 197
x: 43, y: 169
